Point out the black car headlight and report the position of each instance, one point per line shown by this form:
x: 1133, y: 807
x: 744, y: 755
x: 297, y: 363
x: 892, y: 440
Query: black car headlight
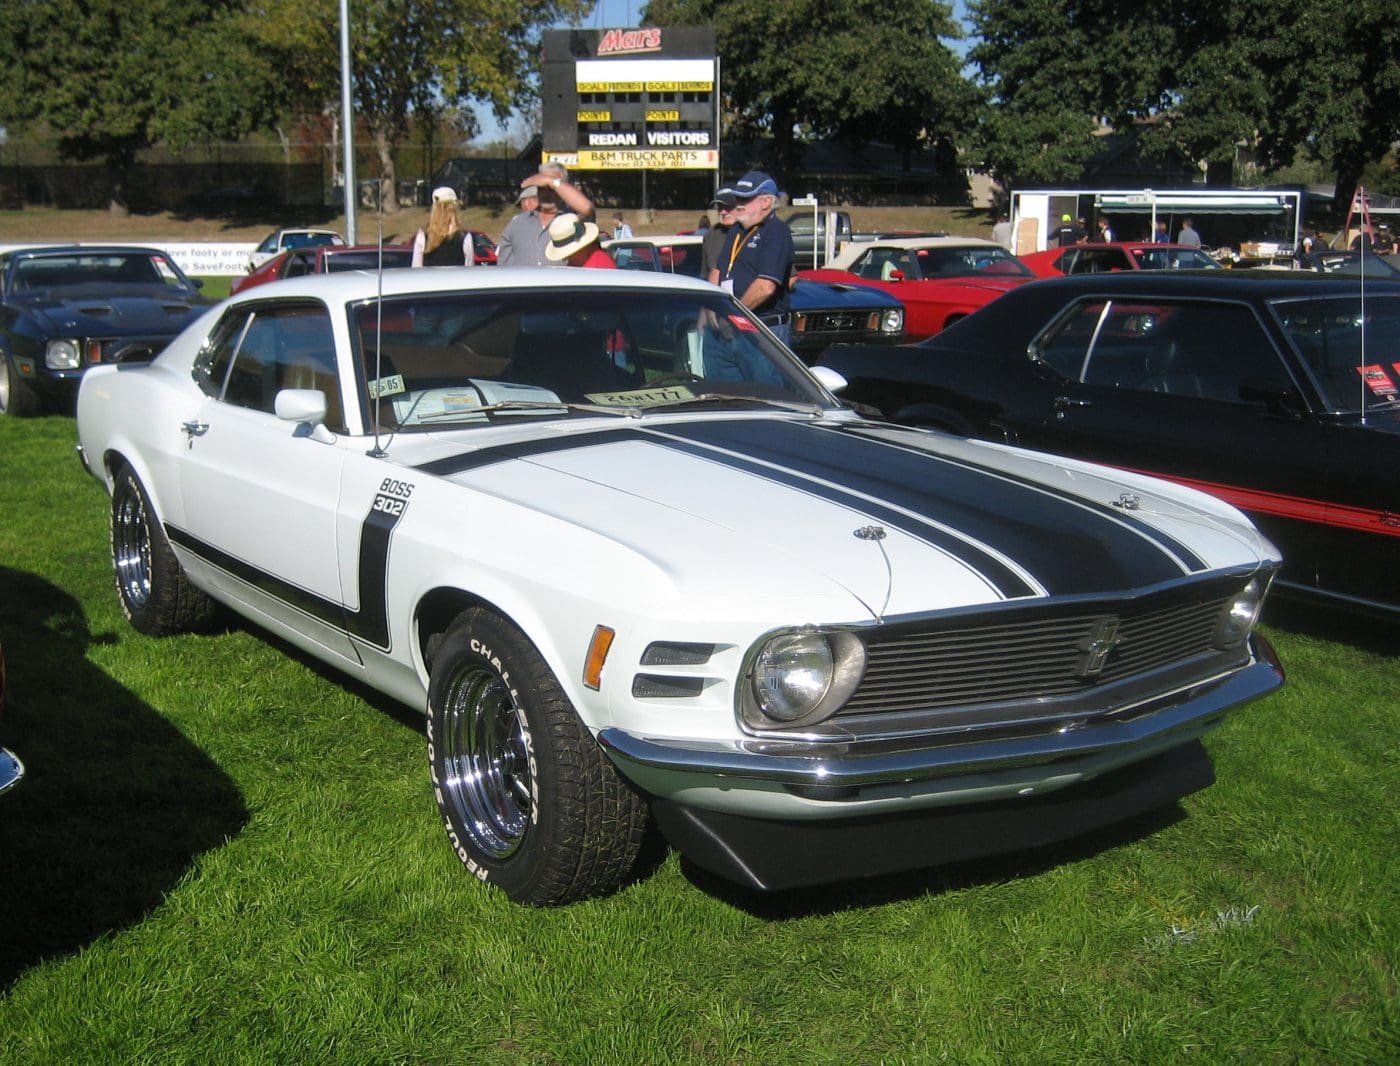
x: 63, y: 355
x: 1240, y: 615
x: 797, y: 678
x: 892, y: 320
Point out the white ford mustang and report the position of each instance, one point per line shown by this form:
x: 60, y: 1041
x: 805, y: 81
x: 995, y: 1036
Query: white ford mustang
x: 636, y: 562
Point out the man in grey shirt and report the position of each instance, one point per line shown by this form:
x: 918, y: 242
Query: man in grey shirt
x: 527, y: 234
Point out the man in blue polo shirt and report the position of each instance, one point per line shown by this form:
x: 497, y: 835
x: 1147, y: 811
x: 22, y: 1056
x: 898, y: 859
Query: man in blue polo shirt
x: 756, y: 261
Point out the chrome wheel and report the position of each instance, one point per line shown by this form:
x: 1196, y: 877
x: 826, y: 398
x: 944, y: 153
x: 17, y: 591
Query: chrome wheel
x: 486, y: 762
x: 131, y: 549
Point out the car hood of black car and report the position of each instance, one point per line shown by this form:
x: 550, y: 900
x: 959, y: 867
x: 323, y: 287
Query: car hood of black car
x: 113, y: 309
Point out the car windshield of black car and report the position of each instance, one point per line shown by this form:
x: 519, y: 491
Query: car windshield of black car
x: 107, y: 268
x: 1350, y: 352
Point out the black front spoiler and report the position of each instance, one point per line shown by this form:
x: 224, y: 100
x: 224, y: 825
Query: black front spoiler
x: 774, y: 855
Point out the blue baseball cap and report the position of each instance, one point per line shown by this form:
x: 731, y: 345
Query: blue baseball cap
x: 755, y: 183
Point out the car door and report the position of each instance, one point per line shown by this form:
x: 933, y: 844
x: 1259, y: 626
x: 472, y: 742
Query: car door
x: 1197, y: 391
x: 259, y: 492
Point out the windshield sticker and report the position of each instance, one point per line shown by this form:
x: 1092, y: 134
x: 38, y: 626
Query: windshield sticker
x: 389, y: 386
x: 641, y: 397
x: 740, y: 322
x: 1377, y: 380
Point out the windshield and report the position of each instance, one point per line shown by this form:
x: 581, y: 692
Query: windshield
x: 368, y: 260
x: 108, y: 269
x: 1173, y: 259
x: 975, y: 259
x: 1352, y: 264
x: 446, y: 359
x: 1351, y: 354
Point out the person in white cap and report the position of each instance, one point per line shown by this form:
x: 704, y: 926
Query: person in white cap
x: 526, y: 235
x: 574, y: 242
x: 444, y: 243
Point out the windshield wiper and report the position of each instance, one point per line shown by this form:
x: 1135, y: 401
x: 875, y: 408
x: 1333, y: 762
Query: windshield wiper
x: 806, y: 408
x: 533, y: 405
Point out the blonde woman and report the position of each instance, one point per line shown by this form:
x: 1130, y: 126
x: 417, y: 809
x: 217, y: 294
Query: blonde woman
x: 444, y: 243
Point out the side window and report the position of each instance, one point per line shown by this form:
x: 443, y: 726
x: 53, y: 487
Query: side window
x: 280, y: 346
x: 211, y: 366
x: 1197, y: 350
x: 1066, y: 346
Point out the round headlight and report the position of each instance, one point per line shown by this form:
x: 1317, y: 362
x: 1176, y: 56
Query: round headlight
x: 62, y: 355
x: 892, y: 321
x: 791, y: 675
x: 1240, y: 614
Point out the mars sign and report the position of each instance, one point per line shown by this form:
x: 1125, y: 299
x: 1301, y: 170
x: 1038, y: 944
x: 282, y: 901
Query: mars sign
x: 631, y: 99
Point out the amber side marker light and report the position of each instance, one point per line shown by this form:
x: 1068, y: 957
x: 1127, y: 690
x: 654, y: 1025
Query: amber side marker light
x: 597, y: 655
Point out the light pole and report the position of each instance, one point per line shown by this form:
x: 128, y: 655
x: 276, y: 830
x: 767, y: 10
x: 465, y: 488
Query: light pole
x: 347, y: 120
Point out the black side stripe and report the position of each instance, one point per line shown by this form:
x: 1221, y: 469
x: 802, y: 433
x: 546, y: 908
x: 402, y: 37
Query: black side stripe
x: 370, y: 623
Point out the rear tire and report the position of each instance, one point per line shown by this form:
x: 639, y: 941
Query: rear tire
x: 530, y: 802
x: 17, y: 397
x: 156, y: 596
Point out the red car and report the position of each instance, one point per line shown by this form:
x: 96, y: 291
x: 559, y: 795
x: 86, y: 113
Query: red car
x: 1103, y: 258
x: 938, y: 279
x: 483, y: 248
x: 324, y: 259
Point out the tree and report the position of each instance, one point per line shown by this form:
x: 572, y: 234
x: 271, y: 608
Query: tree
x: 421, y: 57
x: 112, y: 77
x: 862, y: 70
x: 1277, y: 75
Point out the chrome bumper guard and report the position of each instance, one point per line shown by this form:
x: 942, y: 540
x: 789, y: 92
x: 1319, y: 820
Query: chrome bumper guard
x: 830, y: 768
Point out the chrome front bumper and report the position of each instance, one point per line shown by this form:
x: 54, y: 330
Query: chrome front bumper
x: 841, y: 771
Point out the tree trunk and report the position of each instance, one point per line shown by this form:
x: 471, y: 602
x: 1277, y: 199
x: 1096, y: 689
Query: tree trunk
x: 388, y: 193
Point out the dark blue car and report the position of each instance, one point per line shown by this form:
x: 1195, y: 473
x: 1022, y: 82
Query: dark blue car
x: 822, y: 313
x: 65, y: 308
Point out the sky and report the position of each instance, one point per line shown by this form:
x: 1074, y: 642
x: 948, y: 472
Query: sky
x: 609, y: 13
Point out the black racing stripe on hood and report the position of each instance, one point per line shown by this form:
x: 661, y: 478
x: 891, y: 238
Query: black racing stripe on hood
x: 1193, y: 562
x: 502, y: 453
x: 1070, y: 548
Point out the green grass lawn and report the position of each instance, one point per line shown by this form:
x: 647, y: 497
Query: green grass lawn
x: 224, y: 854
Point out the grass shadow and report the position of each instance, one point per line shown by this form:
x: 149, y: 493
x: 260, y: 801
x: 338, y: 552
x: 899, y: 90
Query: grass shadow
x: 116, y: 804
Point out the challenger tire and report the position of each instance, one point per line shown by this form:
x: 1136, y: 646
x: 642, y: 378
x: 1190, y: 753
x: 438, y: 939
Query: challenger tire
x: 530, y: 801
x: 155, y: 595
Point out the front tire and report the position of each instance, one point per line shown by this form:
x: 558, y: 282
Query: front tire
x: 17, y: 397
x: 530, y: 802
x: 156, y: 596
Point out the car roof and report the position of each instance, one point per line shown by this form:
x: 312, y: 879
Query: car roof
x: 365, y: 285
x: 1256, y: 284
x: 658, y: 239
x: 927, y: 242
x: 88, y: 249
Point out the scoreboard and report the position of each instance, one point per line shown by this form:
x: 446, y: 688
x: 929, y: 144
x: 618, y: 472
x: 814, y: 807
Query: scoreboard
x: 631, y: 99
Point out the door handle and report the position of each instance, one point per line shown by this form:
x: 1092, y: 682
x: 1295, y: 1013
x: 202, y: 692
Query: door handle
x: 1062, y: 402
x: 194, y: 428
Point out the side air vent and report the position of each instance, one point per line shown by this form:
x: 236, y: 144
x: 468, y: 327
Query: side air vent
x: 656, y: 687
x: 661, y: 653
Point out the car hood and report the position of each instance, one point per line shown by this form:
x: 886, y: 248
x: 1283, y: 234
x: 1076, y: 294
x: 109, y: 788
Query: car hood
x: 107, y: 310
x: 809, y: 295
x: 904, y: 521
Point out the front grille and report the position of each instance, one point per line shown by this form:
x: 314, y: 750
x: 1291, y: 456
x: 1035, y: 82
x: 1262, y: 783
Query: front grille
x: 837, y: 322
x: 1037, y: 663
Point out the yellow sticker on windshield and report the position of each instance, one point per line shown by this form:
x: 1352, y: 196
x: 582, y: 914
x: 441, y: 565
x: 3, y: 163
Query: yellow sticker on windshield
x: 388, y: 386
x: 641, y: 397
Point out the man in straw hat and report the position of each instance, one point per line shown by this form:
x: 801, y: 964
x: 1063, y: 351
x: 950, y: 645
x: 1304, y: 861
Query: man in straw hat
x: 574, y: 242
x: 527, y: 234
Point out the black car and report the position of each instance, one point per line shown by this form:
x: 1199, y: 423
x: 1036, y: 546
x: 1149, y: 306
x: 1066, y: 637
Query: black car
x: 65, y: 308
x: 1277, y: 392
